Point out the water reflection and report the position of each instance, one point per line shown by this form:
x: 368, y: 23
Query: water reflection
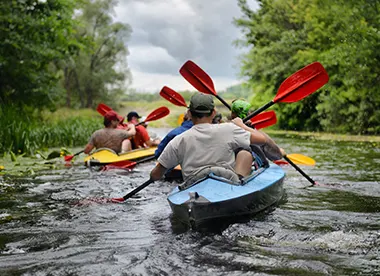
x: 324, y: 230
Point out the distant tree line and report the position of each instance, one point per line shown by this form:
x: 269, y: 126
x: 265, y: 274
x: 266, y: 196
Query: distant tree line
x: 344, y: 35
x: 61, y: 53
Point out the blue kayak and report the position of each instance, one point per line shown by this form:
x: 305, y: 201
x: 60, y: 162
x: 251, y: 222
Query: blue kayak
x: 216, y: 197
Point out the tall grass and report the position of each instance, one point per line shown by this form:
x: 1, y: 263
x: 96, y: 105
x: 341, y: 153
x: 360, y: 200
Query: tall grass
x: 25, y: 133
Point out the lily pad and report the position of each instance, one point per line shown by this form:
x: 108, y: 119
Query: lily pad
x: 53, y: 154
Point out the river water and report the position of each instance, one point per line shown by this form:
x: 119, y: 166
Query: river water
x: 47, y: 227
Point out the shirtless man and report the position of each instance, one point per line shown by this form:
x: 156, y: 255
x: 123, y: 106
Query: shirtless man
x: 110, y: 136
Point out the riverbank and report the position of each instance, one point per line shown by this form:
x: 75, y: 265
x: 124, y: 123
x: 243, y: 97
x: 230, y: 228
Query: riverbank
x: 327, y: 136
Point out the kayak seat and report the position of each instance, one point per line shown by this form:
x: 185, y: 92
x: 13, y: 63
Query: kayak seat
x: 239, y: 182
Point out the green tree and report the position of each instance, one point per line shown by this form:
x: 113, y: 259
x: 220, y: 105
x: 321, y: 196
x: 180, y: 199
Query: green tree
x: 283, y: 36
x: 32, y: 35
x: 99, y: 71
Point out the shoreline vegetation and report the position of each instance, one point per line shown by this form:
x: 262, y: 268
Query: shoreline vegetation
x: 325, y: 136
x: 70, y: 130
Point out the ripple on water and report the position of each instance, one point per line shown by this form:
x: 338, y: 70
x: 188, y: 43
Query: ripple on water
x: 324, y: 230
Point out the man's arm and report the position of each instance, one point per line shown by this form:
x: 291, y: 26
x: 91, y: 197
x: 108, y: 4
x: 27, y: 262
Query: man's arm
x: 256, y: 138
x: 271, y: 150
x: 88, y: 148
x: 153, y: 143
x: 131, y: 129
x: 145, y: 136
x: 158, y: 172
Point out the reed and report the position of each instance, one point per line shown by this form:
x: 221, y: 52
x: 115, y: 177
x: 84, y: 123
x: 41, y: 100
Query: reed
x: 23, y: 133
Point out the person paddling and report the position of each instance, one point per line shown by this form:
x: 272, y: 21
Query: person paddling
x: 141, y: 138
x: 223, y: 149
x: 110, y: 136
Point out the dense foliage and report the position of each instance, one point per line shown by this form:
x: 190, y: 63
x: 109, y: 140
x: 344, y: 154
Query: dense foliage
x: 344, y: 35
x: 56, y: 53
x: 33, y: 34
x: 61, y: 52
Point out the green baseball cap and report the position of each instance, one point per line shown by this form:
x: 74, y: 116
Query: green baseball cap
x: 240, y: 108
x: 201, y: 103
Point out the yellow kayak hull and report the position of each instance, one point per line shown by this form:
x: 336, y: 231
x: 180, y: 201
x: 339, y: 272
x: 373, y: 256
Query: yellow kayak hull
x: 107, y: 156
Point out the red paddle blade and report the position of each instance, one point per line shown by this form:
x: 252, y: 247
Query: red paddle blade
x: 117, y: 200
x: 197, y: 77
x: 172, y: 96
x: 280, y: 162
x: 125, y: 164
x: 103, y: 109
x: 302, y: 83
x: 264, y: 119
x: 68, y: 158
x: 157, y: 114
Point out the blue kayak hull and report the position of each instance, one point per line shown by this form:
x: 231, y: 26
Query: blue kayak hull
x: 214, y: 197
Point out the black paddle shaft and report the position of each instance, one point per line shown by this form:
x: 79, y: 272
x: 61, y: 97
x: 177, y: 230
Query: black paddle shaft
x: 78, y: 153
x: 257, y: 111
x: 299, y: 170
x: 224, y: 102
x: 138, y: 189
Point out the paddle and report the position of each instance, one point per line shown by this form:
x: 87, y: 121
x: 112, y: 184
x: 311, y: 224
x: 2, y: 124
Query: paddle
x: 200, y: 80
x: 172, y: 96
x: 301, y: 159
x: 300, y: 171
x: 70, y: 157
x: 297, y: 158
x: 125, y: 164
x: 264, y: 119
x: 103, y: 109
x: 296, y: 87
x: 156, y: 114
x: 132, y: 193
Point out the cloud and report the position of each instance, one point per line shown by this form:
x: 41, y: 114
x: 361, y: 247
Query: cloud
x: 153, y: 82
x: 151, y: 59
x: 167, y: 33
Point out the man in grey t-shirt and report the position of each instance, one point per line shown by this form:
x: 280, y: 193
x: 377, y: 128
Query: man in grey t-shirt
x: 219, y: 148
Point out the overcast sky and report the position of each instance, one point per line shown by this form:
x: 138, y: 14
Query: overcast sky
x: 167, y: 33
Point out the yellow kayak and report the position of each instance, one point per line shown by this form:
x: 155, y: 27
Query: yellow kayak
x: 106, y: 156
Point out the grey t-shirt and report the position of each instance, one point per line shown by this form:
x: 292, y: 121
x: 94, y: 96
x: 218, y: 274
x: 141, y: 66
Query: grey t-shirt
x: 204, y: 146
x: 109, y: 138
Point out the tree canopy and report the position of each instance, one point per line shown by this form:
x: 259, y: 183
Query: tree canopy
x: 61, y: 52
x: 33, y: 34
x: 344, y: 35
